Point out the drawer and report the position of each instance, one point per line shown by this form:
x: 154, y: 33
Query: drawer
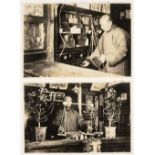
x: 80, y: 56
x: 65, y: 58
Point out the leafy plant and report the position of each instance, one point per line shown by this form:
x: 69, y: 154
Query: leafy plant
x: 112, y: 106
x: 40, y: 105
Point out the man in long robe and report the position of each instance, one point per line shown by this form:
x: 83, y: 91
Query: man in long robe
x: 112, y: 48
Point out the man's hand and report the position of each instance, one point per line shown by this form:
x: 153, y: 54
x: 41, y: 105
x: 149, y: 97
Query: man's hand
x: 85, y: 63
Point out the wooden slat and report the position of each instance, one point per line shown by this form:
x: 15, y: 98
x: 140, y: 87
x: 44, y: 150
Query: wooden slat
x: 33, y: 19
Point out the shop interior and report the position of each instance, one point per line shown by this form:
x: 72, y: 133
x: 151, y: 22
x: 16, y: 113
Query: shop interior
x: 94, y: 102
x: 59, y: 37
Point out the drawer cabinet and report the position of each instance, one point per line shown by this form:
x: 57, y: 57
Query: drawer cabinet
x: 73, y: 33
x: 65, y: 58
x: 80, y: 55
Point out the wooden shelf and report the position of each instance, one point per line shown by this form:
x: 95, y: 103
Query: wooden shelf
x: 73, y: 49
x: 79, y: 24
x: 34, y: 52
x: 81, y: 11
x: 73, y: 33
x: 67, y: 9
x: 69, y: 33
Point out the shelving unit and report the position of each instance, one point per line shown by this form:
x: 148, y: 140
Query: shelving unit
x: 75, y: 29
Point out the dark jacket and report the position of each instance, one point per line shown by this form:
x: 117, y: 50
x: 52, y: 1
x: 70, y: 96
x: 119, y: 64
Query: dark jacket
x: 70, y: 120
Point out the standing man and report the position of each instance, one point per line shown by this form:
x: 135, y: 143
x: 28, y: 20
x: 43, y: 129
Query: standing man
x: 112, y: 48
x: 68, y: 119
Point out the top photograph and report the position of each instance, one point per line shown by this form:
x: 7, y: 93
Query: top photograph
x: 76, y: 39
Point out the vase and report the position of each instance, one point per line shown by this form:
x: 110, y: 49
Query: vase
x: 110, y: 132
x: 40, y: 133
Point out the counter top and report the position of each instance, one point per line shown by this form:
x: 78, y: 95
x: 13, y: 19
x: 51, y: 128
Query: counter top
x: 49, y: 144
x: 52, y: 143
x: 54, y: 69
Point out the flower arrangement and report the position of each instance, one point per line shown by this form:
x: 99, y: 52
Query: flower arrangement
x: 112, y: 106
x: 40, y: 105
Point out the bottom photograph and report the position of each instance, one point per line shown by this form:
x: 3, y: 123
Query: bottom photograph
x: 77, y: 117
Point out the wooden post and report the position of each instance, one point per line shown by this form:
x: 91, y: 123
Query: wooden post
x: 96, y: 114
x: 92, y: 36
x: 80, y: 100
x: 101, y: 122
x: 50, y: 33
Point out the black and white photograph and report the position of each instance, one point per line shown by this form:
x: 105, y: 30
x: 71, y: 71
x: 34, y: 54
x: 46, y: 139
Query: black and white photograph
x: 77, y: 117
x: 77, y: 39
x: 77, y: 77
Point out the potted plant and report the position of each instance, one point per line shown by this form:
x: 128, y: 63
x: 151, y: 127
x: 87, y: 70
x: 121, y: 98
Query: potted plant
x: 111, y: 111
x: 39, y: 107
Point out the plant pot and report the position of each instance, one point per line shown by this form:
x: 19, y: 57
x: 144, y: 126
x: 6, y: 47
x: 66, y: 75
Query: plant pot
x: 40, y: 133
x: 110, y: 132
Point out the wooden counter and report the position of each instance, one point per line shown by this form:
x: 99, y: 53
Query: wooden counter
x: 54, y: 69
x: 119, y: 144
x: 63, y: 145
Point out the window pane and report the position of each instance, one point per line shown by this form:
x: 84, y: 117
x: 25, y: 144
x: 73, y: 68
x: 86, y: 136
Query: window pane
x: 34, y: 10
x: 34, y: 36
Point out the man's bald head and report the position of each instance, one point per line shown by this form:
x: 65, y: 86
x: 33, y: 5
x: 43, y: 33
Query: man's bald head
x: 106, y: 22
x: 106, y: 17
x: 68, y: 99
